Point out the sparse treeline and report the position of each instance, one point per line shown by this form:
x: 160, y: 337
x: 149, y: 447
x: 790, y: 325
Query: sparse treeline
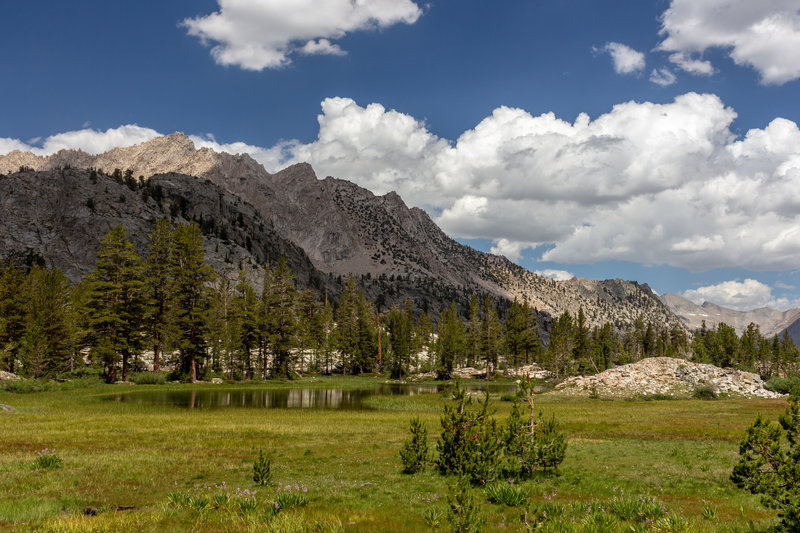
x: 775, y: 356
x: 171, y: 304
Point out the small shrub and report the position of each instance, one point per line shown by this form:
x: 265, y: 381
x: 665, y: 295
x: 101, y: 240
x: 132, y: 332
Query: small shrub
x: 178, y: 499
x: 21, y: 386
x: 47, y: 459
x: 198, y: 503
x: 709, y: 513
x: 535, y: 443
x: 247, y: 504
x: 414, y: 453
x: 220, y: 500
x: 464, y: 513
x: 433, y: 518
x: 507, y: 494
x: 783, y: 385
x: 149, y: 378
x: 671, y: 523
x: 705, y: 392
x: 470, y: 443
x: 636, y: 509
x: 262, y: 469
x: 598, y: 520
x: 291, y: 497
x: 769, y: 462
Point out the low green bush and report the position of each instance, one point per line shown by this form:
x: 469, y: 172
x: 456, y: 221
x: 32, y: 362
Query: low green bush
x: 705, y: 392
x: 783, y: 385
x: 262, y: 469
x: 291, y: 497
x: 149, y: 378
x: 507, y: 494
x: 47, y: 459
x: 414, y: 453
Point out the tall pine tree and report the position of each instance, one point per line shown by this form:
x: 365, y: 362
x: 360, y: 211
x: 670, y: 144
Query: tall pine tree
x: 116, y: 303
x: 190, y: 297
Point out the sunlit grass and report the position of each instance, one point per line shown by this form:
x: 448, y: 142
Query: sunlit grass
x: 121, y: 454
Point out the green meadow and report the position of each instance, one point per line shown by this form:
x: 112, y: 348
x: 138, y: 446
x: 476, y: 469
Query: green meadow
x: 132, y: 467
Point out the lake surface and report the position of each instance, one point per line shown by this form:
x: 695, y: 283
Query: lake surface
x: 300, y: 398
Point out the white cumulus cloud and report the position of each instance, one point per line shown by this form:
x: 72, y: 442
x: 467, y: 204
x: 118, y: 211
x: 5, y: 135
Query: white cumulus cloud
x: 87, y: 139
x: 763, y: 34
x: 9, y: 145
x: 740, y: 295
x: 626, y: 60
x: 649, y: 183
x: 512, y: 250
x: 663, y: 77
x: 259, y: 34
x: 692, y: 65
x: 97, y: 142
x: 558, y: 275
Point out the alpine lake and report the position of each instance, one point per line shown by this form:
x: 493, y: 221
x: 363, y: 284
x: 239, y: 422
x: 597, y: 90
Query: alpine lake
x: 295, y: 398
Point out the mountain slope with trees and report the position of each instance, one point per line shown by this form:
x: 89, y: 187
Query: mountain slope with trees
x: 398, y: 252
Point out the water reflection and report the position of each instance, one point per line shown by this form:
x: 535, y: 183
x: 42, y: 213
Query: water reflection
x: 288, y: 398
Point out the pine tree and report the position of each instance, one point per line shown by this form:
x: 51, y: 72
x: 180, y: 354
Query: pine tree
x: 245, y: 309
x: 451, y: 342
x: 603, y: 347
x: 190, y: 297
x: 327, y: 335
x: 223, y: 331
x: 516, y: 328
x: 263, y: 327
x: 423, y: 336
x: 367, y: 352
x: 749, y: 345
x: 347, y: 341
x: 559, y: 350
x: 309, y: 327
x: 491, y: 336
x: 12, y: 314
x: 582, y: 352
x: 78, y: 320
x: 158, y: 273
x: 44, y: 348
x: 769, y: 463
x: 474, y: 332
x: 397, y: 326
x: 281, y: 320
x: 116, y: 303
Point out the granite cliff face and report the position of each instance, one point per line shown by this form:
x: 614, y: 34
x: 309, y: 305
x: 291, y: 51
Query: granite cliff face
x: 345, y: 229
x: 59, y: 217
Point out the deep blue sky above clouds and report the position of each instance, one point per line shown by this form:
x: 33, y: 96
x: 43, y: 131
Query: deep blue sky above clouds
x: 649, y: 140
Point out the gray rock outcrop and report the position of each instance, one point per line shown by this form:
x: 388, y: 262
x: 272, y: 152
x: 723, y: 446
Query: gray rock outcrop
x: 667, y: 376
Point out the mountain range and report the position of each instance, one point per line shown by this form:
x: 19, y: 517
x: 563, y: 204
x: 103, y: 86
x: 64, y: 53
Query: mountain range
x: 56, y: 209
x: 771, y: 322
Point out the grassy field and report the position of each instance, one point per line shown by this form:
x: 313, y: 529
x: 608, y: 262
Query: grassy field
x: 170, y: 464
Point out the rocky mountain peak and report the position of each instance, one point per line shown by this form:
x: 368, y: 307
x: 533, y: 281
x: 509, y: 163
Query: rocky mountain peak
x: 770, y: 321
x: 347, y: 230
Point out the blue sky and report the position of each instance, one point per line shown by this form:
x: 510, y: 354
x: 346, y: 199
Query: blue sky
x: 654, y: 141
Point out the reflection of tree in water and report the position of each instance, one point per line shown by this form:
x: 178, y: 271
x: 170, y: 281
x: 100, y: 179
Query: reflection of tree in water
x: 288, y: 398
